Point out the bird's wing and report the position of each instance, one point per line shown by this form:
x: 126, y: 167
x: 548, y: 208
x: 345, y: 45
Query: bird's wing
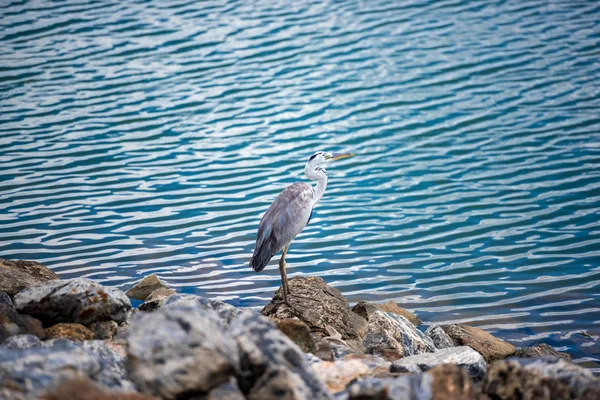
x: 284, y: 219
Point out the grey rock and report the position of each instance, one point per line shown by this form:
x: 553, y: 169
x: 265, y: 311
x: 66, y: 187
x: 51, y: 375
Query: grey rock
x: 226, y: 312
x: 405, y: 387
x: 463, y: 356
x: 20, y: 274
x: 77, y: 300
x: 441, y: 340
x: 5, y: 299
x: 21, y: 342
x: 112, y: 365
x: 489, y: 346
x: 179, y: 350
x: 318, y: 305
x: 104, y: 330
x: 13, y: 323
x: 272, y: 363
x: 144, y: 288
x: 386, y: 330
x: 156, y: 299
x: 365, y: 309
x: 541, y: 350
x: 226, y: 391
x: 542, y: 378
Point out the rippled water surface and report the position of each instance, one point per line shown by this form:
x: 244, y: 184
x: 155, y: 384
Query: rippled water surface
x: 151, y: 136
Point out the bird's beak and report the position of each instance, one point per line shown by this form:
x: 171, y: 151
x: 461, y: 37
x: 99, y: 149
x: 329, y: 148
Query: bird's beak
x: 339, y: 156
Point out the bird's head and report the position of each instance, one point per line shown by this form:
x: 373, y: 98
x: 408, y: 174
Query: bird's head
x: 316, y: 162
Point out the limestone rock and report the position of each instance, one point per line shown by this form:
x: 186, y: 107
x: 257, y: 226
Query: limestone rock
x: 144, y: 288
x: 391, y: 331
x: 415, y: 386
x: 72, y: 331
x: 541, y: 350
x: 490, y: 347
x: 5, y: 299
x: 272, y: 363
x: 21, y: 342
x: 377, y: 365
x: 112, y: 364
x: 542, y: 378
x: 440, y: 338
x: 20, y: 274
x: 77, y: 300
x: 226, y: 391
x: 179, y: 350
x: 104, y: 329
x: 13, y: 323
x: 451, y: 382
x: 299, y: 332
x: 224, y: 311
x: 338, y: 374
x: 365, y: 309
x: 464, y: 357
x: 318, y: 305
x: 156, y: 299
x: 81, y: 388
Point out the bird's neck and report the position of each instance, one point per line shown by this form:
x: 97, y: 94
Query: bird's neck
x: 321, y: 177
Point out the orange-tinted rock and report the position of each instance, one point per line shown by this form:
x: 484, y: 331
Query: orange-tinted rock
x: 489, y: 346
x: 72, y: 331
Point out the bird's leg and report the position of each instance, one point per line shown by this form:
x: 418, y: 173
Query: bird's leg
x: 284, y: 282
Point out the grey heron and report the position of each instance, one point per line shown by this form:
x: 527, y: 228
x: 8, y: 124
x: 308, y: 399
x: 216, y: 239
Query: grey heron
x: 289, y: 214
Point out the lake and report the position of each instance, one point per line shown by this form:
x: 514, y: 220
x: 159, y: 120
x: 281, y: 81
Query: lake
x: 150, y: 137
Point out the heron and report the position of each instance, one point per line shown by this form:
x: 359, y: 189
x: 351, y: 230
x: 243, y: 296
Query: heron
x: 289, y: 214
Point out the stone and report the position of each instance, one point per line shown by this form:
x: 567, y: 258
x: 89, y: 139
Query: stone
x: 21, y: 342
x: 77, y: 300
x: 299, y: 332
x: 13, y: 323
x: 5, y: 299
x: 104, y: 329
x: 541, y: 350
x: 271, y: 363
x: 179, y: 350
x: 440, y: 338
x: 490, y: 347
x: 415, y: 386
x: 365, y: 309
x: 542, y: 378
x: 377, y: 365
x: 226, y: 312
x: 144, y: 288
x: 20, y: 274
x: 72, y: 331
x: 156, y: 299
x: 391, y: 331
x: 463, y: 356
x: 338, y: 374
x: 226, y: 391
x: 29, y: 372
x: 451, y: 382
x: 318, y: 305
x: 82, y: 388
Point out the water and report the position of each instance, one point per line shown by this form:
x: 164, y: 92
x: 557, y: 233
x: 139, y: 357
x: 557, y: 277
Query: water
x: 150, y: 137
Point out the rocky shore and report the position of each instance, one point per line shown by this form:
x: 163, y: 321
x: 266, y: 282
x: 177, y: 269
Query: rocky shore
x: 77, y: 339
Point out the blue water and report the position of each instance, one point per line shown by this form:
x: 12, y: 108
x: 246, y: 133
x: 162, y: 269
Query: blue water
x: 151, y: 136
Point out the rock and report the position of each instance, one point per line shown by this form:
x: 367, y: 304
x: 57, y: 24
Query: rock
x: 13, y: 323
x: 391, y: 331
x: 21, y: 342
x: 77, y: 300
x: 179, y: 350
x: 112, y: 365
x: 104, y: 329
x: 20, y: 274
x: 156, y: 299
x: 81, y: 388
x: 451, y: 382
x: 464, y: 357
x: 318, y: 305
x: 490, y: 347
x: 541, y: 350
x: 338, y: 374
x: 441, y: 340
x: 224, y: 311
x: 416, y: 386
x: 272, y: 364
x: 377, y: 365
x: 365, y: 309
x: 119, y: 346
x: 226, y: 391
x: 5, y: 299
x: 543, y: 378
x: 299, y: 333
x: 144, y: 288
x: 28, y: 372
x: 72, y: 331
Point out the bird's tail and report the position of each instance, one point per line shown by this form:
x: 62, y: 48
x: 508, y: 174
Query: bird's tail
x: 261, y: 257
